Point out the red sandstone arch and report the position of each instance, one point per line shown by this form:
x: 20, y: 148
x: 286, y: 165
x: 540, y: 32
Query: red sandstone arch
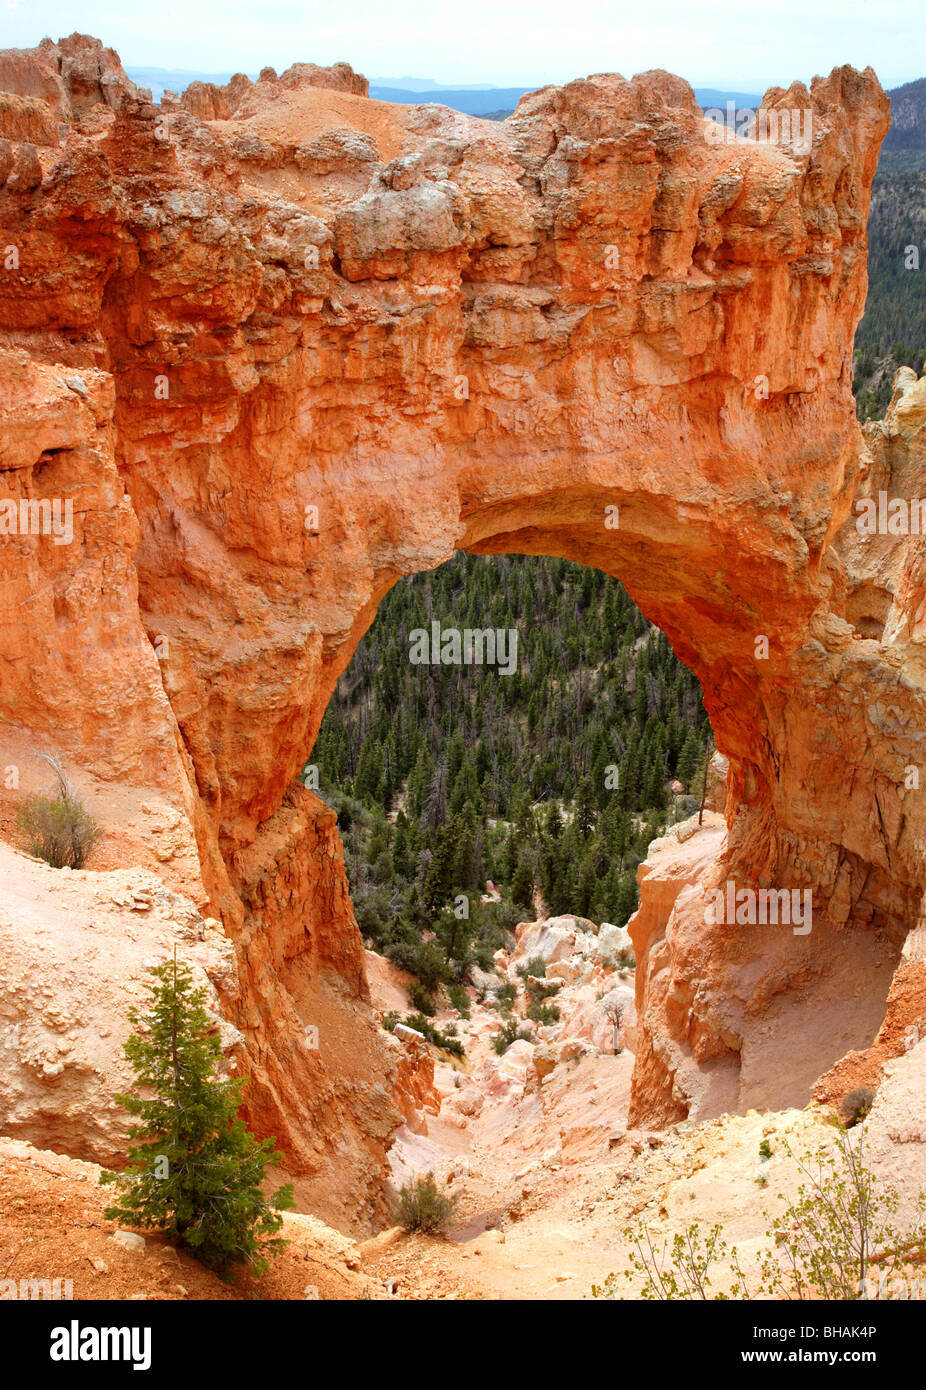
x: 437, y: 348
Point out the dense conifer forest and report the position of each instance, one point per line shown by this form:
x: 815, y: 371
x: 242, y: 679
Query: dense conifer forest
x: 550, y: 781
x: 892, y: 333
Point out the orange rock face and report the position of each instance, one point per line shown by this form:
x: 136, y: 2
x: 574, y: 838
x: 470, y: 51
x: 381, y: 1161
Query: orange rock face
x: 325, y: 342
x: 241, y: 96
x: 414, y: 1091
x: 68, y: 78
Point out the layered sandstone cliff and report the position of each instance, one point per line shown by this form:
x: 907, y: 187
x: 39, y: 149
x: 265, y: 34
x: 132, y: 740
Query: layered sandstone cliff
x: 284, y: 344
x: 722, y: 1031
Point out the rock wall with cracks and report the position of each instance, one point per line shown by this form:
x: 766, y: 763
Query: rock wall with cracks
x: 281, y: 357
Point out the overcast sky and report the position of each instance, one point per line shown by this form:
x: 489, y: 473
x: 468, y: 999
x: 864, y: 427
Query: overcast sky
x: 518, y: 43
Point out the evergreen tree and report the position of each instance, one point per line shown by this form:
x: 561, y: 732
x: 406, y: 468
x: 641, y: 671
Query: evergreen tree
x: 585, y: 810
x: 522, y: 884
x: 439, y: 880
x: 626, y: 900
x: 401, y: 856
x: 418, y: 781
x: 655, y: 794
x: 588, y: 889
x: 688, y: 758
x: 369, y: 769
x: 196, y: 1172
x: 465, y: 830
x: 434, y: 810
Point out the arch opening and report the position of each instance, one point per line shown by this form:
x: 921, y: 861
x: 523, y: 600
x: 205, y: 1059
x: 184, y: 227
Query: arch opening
x: 488, y: 696
x: 700, y: 1051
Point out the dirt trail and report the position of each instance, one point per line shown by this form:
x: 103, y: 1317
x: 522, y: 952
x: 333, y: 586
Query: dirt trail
x: 563, y: 1231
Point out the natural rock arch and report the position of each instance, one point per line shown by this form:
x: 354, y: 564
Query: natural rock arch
x: 323, y: 344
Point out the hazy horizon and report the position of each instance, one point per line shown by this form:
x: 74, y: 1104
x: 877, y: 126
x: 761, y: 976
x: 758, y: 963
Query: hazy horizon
x: 518, y: 45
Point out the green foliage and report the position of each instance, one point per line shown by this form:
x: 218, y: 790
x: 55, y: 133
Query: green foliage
x: 505, y: 997
x: 822, y: 1246
x: 420, y: 999
x: 56, y: 826
x: 677, y: 1271
x: 902, y: 161
x: 512, y: 1030
x: 459, y: 1000
x: 522, y: 883
x: 536, y: 966
x: 824, y: 1242
x: 195, y: 1172
x: 536, y: 986
x: 421, y: 1206
x: 447, y: 1040
x: 539, y: 1012
x: 892, y: 333
x: 446, y: 776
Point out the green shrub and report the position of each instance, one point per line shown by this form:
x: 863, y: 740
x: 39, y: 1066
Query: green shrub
x: 459, y: 999
x: 511, y: 1032
x: 390, y: 1020
x: 420, y: 998
x: 483, y: 956
x: 505, y: 997
x: 678, y: 1271
x: 543, y: 989
x: 430, y: 965
x: 822, y: 1246
x: 57, y: 827
x: 448, y: 1040
x: 842, y: 1216
x: 539, y: 1012
x: 420, y: 1024
x: 424, y: 959
x: 421, y: 1206
x: 535, y: 966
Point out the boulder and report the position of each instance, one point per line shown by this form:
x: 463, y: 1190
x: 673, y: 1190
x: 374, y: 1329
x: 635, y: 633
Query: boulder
x: 130, y: 1240
x: 551, y: 940
x: 613, y: 943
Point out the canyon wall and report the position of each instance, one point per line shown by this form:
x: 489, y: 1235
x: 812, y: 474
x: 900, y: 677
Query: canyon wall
x: 320, y: 342
x: 720, y: 1031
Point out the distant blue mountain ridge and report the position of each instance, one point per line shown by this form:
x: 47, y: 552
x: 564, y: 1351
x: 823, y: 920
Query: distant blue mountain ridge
x: 473, y: 100
x: 482, y: 101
